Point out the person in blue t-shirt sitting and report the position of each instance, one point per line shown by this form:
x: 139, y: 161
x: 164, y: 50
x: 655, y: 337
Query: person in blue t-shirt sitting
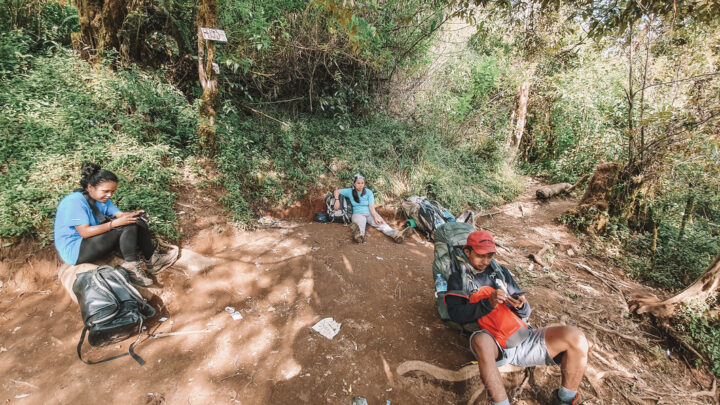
x: 363, y: 204
x: 88, y: 226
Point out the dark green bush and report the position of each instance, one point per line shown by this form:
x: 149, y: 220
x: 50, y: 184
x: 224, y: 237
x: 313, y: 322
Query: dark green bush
x: 703, y: 333
x: 678, y: 261
x: 61, y: 113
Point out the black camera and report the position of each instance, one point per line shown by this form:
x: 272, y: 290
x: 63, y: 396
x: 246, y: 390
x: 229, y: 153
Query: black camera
x: 142, y: 215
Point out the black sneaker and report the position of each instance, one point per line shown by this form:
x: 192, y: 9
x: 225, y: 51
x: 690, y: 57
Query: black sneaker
x: 136, y: 275
x: 556, y: 400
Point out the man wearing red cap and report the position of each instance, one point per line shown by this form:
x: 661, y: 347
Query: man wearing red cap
x: 486, y: 293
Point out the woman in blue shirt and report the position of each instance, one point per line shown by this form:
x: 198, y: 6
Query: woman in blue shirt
x: 363, y: 204
x: 88, y: 226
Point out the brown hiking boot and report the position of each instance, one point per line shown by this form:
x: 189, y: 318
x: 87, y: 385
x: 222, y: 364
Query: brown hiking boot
x: 402, y: 235
x: 357, y: 235
x: 136, y: 275
x: 161, y: 261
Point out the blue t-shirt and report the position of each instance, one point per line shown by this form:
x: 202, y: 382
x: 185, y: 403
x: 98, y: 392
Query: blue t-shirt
x: 72, y: 211
x: 365, y: 200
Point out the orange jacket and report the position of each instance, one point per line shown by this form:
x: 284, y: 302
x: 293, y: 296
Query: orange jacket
x: 501, y: 322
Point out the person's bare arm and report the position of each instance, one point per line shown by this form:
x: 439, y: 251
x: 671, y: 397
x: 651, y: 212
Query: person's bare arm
x: 336, y: 194
x: 88, y: 231
x: 375, y: 214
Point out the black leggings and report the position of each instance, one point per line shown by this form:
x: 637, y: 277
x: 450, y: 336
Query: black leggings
x: 129, y: 238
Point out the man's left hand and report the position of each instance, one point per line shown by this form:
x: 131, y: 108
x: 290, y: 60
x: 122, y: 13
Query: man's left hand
x: 516, y: 302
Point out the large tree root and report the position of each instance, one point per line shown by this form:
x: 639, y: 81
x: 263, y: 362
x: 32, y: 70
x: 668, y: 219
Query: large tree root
x: 438, y: 373
x: 464, y: 374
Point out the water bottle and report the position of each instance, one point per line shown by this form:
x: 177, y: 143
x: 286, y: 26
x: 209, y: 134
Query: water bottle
x: 440, y: 283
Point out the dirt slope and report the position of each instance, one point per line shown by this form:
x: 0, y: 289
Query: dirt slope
x: 283, y: 280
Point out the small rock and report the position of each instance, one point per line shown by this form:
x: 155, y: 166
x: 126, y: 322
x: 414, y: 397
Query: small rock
x: 571, y: 252
x: 193, y: 262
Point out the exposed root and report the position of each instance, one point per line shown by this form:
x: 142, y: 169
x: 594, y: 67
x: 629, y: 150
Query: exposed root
x: 474, y: 397
x: 537, y: 257
x: 436, y: 372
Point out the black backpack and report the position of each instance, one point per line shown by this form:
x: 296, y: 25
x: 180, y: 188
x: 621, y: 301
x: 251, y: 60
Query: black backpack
x: 111, y: 308
x: 344, y: 214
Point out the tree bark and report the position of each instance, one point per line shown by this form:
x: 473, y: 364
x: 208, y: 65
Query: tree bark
x: 519, y: 115
x: 703, y: 288
x: 689, y: 208
x: 207, y: 18
x: 100, y: 21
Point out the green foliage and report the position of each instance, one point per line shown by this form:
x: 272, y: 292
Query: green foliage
x: 266, y: 166
x: 575, y: 120
x: 702, y: 332
x: 47, y: 23
x: 319, y: 55
x: 678, y: 261
x: 61, y: 113
x: 14, y: 56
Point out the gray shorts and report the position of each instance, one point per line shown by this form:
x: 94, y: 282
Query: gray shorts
x: 531, y: 352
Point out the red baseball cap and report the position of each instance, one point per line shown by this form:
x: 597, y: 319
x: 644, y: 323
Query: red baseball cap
x: 481, y: 242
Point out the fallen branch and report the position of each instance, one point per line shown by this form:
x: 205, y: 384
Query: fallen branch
x: 537, y: 257
x: 579, y: 182
x: 589, y: 270
x: 489, y: 214
x: 285, y: 125
x: 547, y: 192
x: 614, y: 332
x: 187, y: 332
x: 667, y: 328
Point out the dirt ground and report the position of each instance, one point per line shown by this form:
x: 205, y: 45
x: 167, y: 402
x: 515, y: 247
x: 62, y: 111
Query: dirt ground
x: 285, y: 278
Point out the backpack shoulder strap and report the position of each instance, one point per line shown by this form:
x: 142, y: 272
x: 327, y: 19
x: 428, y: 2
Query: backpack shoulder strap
x: 130, y: 352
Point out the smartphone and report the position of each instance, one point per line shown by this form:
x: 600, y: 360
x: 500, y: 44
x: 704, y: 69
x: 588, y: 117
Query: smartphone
x: 517, y: 294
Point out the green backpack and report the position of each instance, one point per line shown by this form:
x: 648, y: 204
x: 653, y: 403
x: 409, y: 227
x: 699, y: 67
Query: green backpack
x: 449, y: 240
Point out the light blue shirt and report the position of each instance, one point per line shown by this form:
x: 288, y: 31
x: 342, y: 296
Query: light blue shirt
x: 72, y: 211
x: 362, y: 207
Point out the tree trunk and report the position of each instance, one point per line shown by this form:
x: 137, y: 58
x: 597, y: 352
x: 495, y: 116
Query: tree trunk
x: 100, y: 21
x: 207, y: 18
x: 546, y: 192
x: 702, y: 289
x: 519, y: 115
x: 689, y: 208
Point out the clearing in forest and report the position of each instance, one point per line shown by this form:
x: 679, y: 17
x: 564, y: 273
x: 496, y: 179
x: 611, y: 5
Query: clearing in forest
x: 284, y: 279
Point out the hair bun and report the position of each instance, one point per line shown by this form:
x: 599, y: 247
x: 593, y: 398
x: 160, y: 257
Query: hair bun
x: 89, y: 169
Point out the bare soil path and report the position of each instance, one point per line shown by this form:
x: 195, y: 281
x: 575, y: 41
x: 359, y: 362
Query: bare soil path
x: 285, y: 279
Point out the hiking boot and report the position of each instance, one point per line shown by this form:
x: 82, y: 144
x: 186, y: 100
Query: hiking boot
x: 161, y: 261
x: 576, y: 401
x: 136, y: 275
x: 357, y: 235
x: 402, y: 235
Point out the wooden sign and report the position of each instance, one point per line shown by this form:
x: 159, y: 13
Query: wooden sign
x: 212, y: 34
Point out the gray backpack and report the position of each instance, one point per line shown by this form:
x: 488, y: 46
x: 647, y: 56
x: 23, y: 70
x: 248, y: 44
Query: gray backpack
x: 344, y: 214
